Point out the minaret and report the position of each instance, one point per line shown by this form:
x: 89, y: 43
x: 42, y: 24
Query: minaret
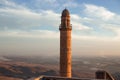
x: 65, y: 44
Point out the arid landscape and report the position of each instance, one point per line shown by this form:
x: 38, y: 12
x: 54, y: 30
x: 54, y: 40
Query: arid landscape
x: 66, y: 38
x: 22, y: 68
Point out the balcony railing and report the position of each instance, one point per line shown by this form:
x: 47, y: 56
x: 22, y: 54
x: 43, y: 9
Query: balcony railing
x: 65, y: 27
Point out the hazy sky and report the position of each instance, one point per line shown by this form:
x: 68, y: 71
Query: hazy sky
x: 31, y: 27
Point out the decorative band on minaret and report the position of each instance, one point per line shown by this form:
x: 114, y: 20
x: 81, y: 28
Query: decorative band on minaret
x: 65, y: 44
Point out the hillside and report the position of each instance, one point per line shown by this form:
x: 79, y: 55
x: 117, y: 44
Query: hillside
x: 19, y: 68
x: 24, y: 70
x: 15, y: 68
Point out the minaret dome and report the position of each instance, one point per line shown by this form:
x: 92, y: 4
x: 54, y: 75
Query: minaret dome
x: 65, y: 13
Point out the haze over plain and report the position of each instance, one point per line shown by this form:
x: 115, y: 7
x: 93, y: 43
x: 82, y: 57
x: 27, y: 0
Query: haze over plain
x: 31, y: 27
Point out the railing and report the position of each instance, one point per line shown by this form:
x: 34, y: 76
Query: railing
x: 116, y: 75
x: 101, y: 74
x: 65, y: 28
x: 63, y: 78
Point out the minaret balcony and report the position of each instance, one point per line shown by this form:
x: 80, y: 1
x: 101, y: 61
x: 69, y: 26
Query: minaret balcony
x: 65, y: 28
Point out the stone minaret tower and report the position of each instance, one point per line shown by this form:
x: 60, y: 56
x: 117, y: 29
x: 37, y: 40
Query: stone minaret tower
x: 65, y: 44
